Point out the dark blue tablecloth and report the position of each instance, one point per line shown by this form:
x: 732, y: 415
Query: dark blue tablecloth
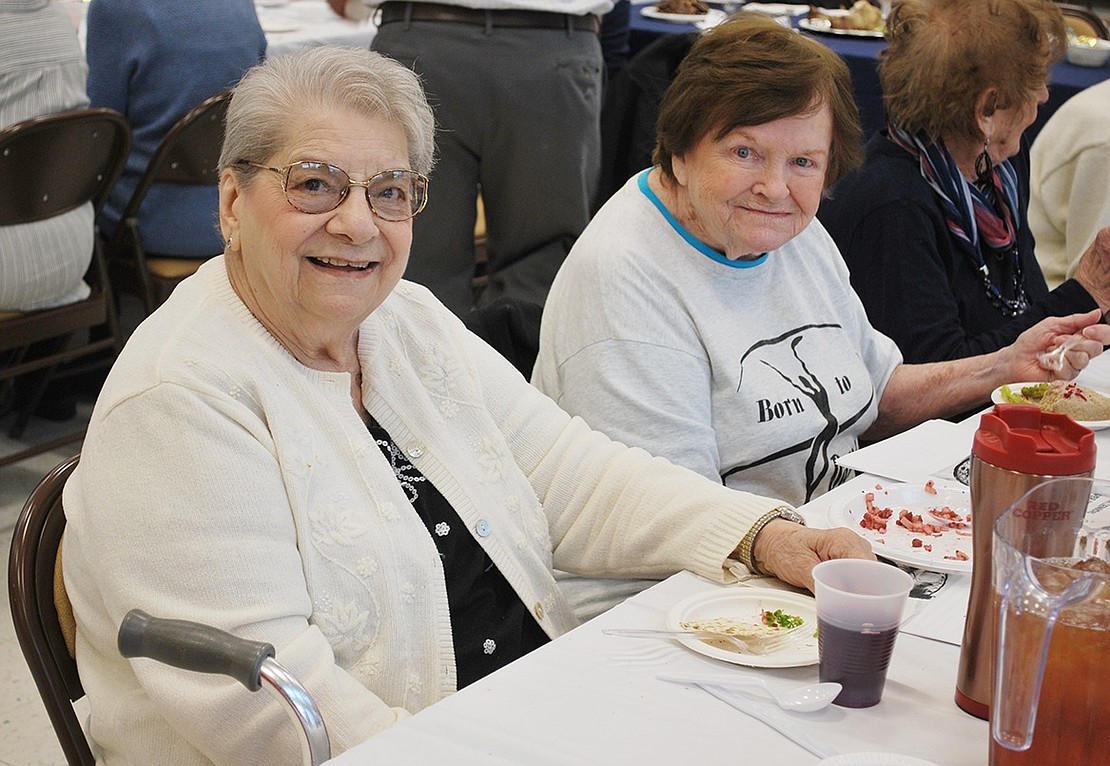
x: 862, y: 56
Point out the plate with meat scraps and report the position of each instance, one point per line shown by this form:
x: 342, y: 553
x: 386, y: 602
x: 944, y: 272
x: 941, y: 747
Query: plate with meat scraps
x: 919, y: 524
x: 712, y: 16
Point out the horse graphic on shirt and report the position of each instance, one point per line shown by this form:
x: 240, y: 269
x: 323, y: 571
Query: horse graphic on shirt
x: 785, y: 358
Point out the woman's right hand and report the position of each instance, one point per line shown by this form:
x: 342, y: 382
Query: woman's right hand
x: 1093, y: 271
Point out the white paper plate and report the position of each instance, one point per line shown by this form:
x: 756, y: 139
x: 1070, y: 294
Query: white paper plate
x: 777, y: 9
x: 896, y: 543
x: 874, y: 759
x: 1094, y: 425
x: 746, y: 604
x: 816, y: 25
x: 712, y: 17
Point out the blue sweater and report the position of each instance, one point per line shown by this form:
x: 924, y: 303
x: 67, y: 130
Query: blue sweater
x: 154, y: 61
x: 918, y: 287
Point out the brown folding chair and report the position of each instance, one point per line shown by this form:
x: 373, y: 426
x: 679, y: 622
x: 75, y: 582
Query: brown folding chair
x: 188, y: 155
x: 41, y: 613
x: 51, y: 165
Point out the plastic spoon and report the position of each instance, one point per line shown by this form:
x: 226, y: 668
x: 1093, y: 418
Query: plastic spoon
x: 800, y: 699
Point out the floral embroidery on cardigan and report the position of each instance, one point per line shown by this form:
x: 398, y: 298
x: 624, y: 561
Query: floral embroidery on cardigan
x: 388, y: 511
x: 346, y: 628
x: 439, y: 374
x: 336, y: 524
x: 491, y: 459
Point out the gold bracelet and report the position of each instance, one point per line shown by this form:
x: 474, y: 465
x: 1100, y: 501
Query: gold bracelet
x: 747, y: 545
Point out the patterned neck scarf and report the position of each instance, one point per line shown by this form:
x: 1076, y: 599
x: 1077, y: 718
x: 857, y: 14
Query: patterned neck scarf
x: 975, y: 216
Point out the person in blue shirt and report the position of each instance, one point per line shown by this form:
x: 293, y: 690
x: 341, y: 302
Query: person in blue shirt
x: 153, y: 62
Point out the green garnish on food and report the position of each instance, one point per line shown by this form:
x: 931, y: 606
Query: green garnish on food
x: 780, y: 619
x: 1035, y: 392
x: 1028, y: 394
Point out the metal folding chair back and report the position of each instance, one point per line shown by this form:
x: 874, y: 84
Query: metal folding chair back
x: 40, y: 606
x: 52, y: 165
x: 188, y: 155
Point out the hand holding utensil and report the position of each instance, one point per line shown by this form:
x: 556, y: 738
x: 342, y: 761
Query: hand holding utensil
x: 1054, y: 359
x: 800, y: 699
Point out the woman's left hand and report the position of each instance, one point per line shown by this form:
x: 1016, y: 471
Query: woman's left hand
x: 789, y: 551
x: 1084, y: 333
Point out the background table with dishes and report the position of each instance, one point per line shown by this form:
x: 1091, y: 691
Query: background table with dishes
x: 589, y: 697
x: 859, y: 50
x: 289, y: 25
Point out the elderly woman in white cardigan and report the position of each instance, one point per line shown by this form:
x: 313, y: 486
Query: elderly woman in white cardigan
x: 301, y: 448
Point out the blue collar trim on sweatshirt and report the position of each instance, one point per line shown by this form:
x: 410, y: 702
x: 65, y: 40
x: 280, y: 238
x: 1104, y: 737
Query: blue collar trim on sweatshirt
x: 694, y: 242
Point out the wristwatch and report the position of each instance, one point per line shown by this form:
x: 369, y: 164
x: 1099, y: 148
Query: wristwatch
x: 744, y: 550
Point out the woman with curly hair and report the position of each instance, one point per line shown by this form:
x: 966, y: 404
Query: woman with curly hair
x: 933, y: 227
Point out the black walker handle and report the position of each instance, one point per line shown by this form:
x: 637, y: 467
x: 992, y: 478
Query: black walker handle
x: 192, y: 646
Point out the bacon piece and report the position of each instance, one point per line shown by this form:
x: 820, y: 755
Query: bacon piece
x: 873, y: 521
x: 931, y: 487
x: 913, y: 523
x: 958, y: 556
x: 951, y: 519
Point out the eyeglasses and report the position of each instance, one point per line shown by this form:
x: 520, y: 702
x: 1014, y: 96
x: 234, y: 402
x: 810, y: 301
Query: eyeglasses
x: 316, y: 187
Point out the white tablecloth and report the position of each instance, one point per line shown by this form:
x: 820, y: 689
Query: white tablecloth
x: 588, y: 698
x: 290, y: 26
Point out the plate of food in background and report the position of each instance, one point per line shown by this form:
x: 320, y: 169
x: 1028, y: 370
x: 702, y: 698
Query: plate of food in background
x: 1083, y: 404
x: 861, y: 20
x: 683, y: 12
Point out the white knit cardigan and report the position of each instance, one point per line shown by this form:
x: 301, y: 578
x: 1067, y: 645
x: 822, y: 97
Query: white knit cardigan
x: 224, y: 482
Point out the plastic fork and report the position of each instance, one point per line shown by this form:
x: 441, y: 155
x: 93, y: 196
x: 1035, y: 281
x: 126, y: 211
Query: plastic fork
x: 1054, y: 359
x: 761, y: 644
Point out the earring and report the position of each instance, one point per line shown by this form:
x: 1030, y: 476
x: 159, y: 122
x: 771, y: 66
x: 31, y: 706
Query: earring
x: 227, y: 242
x: 984, y: 166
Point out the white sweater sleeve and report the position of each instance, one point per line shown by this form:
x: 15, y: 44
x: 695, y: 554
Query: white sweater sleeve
x: 187, y: 481
x: 615, y: 510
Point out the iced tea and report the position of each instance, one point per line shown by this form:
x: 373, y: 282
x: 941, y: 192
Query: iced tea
x: 1074, y: 706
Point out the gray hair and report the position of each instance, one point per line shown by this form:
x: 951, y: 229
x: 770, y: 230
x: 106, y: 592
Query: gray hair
x: 260, y: 117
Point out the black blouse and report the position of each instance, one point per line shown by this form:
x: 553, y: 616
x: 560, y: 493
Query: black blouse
x: 490, y: 625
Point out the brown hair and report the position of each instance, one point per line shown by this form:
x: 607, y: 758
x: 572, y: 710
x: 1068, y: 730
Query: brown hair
x: 944, y: 54
x: 750, y: 70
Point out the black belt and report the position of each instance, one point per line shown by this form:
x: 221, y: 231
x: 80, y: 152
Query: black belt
x: 396, y: 11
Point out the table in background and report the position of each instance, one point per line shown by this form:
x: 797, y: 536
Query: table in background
x: 297, y: 24
x: 862, y: 57
x: 290, y: 25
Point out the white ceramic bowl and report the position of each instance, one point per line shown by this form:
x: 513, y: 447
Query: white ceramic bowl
x: 1089, y: 55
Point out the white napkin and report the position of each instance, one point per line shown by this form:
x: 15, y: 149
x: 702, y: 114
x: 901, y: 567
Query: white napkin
x: 770, y: 715
x: 942, y: 617
x: 922, y: 451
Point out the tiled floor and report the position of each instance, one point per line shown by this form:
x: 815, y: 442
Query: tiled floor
x: 26, y: 737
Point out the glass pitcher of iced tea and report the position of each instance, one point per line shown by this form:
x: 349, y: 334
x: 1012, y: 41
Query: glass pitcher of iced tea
x: 1051, y: 582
